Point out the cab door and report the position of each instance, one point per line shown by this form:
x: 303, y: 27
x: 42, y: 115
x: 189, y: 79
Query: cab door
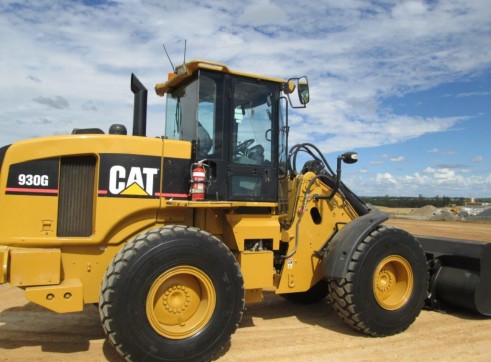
x: 253, y: 141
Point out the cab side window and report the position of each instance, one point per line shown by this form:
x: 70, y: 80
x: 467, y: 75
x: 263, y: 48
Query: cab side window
x: 253, y: 176
x: 252, y: 123
x: 209, y: 128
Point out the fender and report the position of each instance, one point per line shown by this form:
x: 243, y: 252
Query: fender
x: 343, y: 245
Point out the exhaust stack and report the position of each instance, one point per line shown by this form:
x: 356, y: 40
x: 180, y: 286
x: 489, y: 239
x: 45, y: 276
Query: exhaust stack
x: 140, y: 107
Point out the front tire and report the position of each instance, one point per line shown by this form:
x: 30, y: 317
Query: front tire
x: 174, y: 293
x: 386, y: 284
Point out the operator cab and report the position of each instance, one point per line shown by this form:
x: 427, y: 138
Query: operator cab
x: 237, y: 124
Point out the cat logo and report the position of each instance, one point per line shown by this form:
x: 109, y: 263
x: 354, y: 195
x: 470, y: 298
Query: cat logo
x: 127, y: 175
x: 139, y: 181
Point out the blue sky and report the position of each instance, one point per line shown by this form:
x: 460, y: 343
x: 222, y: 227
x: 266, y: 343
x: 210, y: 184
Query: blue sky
x: 407, y: 84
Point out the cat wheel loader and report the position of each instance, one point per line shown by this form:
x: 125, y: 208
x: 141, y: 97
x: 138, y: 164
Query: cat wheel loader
x: 172, y: 236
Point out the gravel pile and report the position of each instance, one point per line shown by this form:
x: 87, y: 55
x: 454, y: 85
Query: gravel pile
x: 486, y: 212
x: 425, y: 211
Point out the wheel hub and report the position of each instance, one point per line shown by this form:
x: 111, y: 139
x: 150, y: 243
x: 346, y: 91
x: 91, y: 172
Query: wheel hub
x: 180, y: 302
x: 176, y: 299
x: 385, y: 281
x: 393, y: 282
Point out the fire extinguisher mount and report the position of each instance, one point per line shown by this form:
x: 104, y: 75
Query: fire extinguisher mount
x: 199, y: 181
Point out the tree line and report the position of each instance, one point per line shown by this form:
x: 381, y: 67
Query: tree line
x: 419, y: 201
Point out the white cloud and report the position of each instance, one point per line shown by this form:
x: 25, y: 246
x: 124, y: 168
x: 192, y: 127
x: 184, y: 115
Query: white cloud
x: 34, y: 79
x: 75, y: 61
x: 385, y: 178
x: 432, y: 182
x: 473, y: 94
x: 443, y: 152
x: 417, y: 179
x: 444, y: 175
x: 398, y: 159
x: 355, y: 54
x: 57, y: 102
x: 478, y: 159
x: 263, y: 13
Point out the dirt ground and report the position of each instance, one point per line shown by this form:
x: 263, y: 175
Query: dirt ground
x: 272, y: 330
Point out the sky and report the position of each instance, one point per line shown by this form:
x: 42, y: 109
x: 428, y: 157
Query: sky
x: 406, y: 84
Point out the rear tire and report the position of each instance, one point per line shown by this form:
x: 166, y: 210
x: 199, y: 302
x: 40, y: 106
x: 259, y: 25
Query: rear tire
x: 172, y: 294
x: 386, y: 284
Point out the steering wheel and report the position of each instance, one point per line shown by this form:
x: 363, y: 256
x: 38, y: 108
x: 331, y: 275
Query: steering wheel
x: 243, y: 146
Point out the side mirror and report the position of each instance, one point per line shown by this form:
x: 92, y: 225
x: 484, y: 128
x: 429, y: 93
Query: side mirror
x: 349, y: 157
x: 301, y: 85
x: 303, y: 90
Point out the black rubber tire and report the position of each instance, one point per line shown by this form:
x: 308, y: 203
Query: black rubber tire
x: 133, y: 273
x: 315, y: 294
x: 353, y: 297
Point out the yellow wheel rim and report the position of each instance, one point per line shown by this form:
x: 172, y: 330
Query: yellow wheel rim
x: 180, y: 302
x: 393, y: 282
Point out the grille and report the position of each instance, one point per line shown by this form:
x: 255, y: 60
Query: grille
x: 76, y: 196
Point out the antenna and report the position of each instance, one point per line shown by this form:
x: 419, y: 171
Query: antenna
x: 168, y: 57
x: 185, y: 41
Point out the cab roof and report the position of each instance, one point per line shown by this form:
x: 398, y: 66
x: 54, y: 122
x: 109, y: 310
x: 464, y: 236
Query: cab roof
x: 186, y: 70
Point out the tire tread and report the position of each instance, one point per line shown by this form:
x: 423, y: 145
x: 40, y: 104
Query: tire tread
x: 341, y: 291
x: 130, y: 251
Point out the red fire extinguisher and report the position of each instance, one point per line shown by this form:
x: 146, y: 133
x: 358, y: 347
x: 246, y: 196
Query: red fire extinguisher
x: 198, y: 182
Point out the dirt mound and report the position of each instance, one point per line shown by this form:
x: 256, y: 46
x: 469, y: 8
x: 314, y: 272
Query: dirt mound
x: 443, y: 215
x: 425, y: 211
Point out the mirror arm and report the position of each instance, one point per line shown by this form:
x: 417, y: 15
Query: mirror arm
x: 336, y: 186
x: 348, y: 157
